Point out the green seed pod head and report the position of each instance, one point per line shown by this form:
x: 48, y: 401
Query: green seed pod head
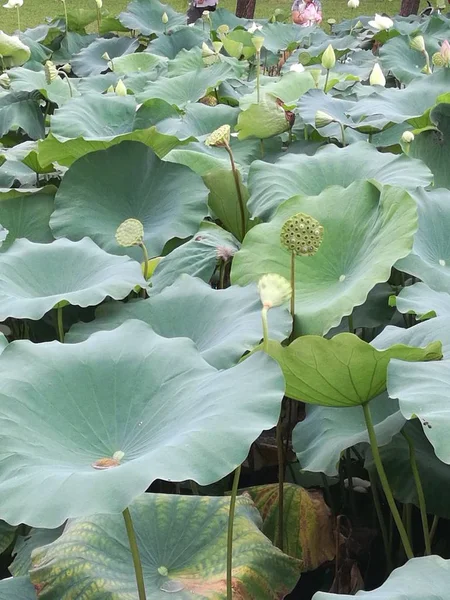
x: 302, y: 234
x: 51, y: 72
x: 438, y: 60
x: 219, y: 137
x: 130, y: 233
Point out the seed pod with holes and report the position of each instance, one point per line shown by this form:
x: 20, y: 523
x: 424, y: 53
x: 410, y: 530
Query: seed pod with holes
x: 130, y: 233
x: 302, y: 234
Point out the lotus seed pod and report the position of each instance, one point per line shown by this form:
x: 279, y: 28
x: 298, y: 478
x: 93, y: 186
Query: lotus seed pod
x: 304, y: 58
x: 223, y: 29
x: 205, y: 15
x: 66, y: 68
x: 220, y: 137
x: 302, y: 234
x: 274, y: 290
x: 438, y: 60
x: 418, y: 43
x: 209, y: 100
x: 130, y: 233
x: 322, y: 119
x: 258, y: 42
x: 51, y: 72
x: 407, y: 137
x: 328, y: 58
x: 165, y: 18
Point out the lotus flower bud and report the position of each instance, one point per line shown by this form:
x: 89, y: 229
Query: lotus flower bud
x: 13, y: 4
x: 5, y: 81
x: 328, y: 58
x: 206, y: 50
x: 130, y: 233
x: 377, y: 77
x: 99, y: 3
x: 205, y: 15
x: 66, y: 68
x: 381, y: 23
x: 322, y: 119
x: 165, y: 18
x: 217, y: 47
x: 353, y: 3
x: 106, y: 56
x: 445, y: 51
x: 110, y: 90
x: 418, y: 43
x: 220, y: 137
x: 302, y: 234
x: 274, y: 290
x: 121, y: 88
x: 258, y: 42
x: 51, y: 72
x: 407, y: 137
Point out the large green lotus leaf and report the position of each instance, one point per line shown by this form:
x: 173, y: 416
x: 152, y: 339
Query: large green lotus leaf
x: 430, y: 256
x: 434, y: 474
x: 190, y: 87
x: 271, y: 184
x: 25, y: 545
x: 405, y: 63
x: 425, y: 333
x: 190, y: 60
x: 95, y: 198
x: 7, y: 536
x: 263, y: 120
x: 26, y: 214
x: 71, y: 44
x: 308, y: 527
x: 288, y: 88
x: 223, y: 324
x: 35, y: 277
x: 432, y: 146
x: 13, y: 51
x: 198, y: 120
x: 19, y: 588
x: 21, y: 109
x: 281, y: 35
x: 130, y: 391
x: 182, y: 536
x: 425, y: 578
x: 362, y: 240
x: 343, y: 371
x: 197, y: 257
x: 392, y: 105
x: 337, y: 108
x: 89, y: 60
x: 182, y: 39
x: 146, y: 17
x: 27, y: 80
x: 424, y: 392
x: 325, y: 433
x: 142, y: 62
x: 423, y: 301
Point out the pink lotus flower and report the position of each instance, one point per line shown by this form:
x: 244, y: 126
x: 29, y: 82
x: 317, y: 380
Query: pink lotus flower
x: 445, y: 51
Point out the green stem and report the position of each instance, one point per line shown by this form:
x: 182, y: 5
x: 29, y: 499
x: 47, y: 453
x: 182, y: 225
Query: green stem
x: 381, y: 522
x: 342, y: 134
x: 434, y: 525
x: 384, y: 481
x: 18, y: 17
x: 420, y: 493
x: 65, y: 15
x: 350, y: 324
x: 234, y: 490
x: 60, y: 324
x: 326, y: 81
x: 305, y: 132
x: 135, y: 554
x: 144, y: 250
x: 280, y: 453
x: 222, y: 274
x: 238, y: 189
x: 265, y: 329
x: 407, y: 520
x: 258, y: 73
x: 261, y: 142
x: 68, y: 81
x: 293, y: 290
x: 99, y: 19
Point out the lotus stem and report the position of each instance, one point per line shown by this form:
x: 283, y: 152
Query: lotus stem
x: 264, y: 312
x: 326, y: 81
x: 350, y: 324
x: 384, y: 481
x: 99, y: 19
x: 135, y: 554
x: 144, y: 250
x: 407, y: 520
x: 68, y: 81
x: 341, y: 125
x: 381, y: 522
x: 234, y: 490
x: 293, y: 289
x: 60, y: 324
x: 222, y: 267
x: 280, y: 541
x: 18, y: 18
x: 238, y: 189
x: 434, y: 525
x: 65, y: 15
x: 258, y: 73
x: 420, y: 493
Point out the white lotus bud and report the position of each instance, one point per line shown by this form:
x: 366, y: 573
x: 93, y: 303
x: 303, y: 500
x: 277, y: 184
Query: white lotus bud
x: 106, y: 56
x: 377, y: 77
x: 328, y: 58
x: 407, y: 137
x: 322, y: 119
x: 165, y: 18
x: 121, y: 88
x: 381, y: 23
x: 274, y: 290
x: 258, y: 42
x: 13, y: 4
x: 99, y: 3
x: 353, y: 3
x: 418, y: 43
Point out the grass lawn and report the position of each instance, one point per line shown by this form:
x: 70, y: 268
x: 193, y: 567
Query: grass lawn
x: 33, y: 12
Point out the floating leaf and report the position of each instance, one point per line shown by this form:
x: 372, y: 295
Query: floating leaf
x: 25, y: 545
x: 146, y: 17
x: 19, y: 588
x: 21, y: 109
x: 423, y: 301
x: 262, y: 120
x: 90, y: 60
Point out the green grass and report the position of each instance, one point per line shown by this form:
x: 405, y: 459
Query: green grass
x: 33, y: 12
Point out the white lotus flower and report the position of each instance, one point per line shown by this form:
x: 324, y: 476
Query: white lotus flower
x: 99, y: 3
x: 377, y: 77
x: 381, y: 22
x: 407, y: 137
x: 254, y: 27
x: 297, y: 68
x: 353, y: 3
x: 13, y: 4
x: 274, y: 290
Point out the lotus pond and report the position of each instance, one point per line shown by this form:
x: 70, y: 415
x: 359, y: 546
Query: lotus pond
x: 225, y: 308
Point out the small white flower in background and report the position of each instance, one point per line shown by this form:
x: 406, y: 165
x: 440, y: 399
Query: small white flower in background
x: 353, y: 3
x: 99, y: 3
x: 5, y: 81
x: 274, y: 290
x: 359, y: 485
x: 254, y: 27
x: 165, y: 18
x: 121, y: 88
x: 13, y: 4
x: 381, y: 23
x: 297, y: 68
x: 377, y: 77
x: 407, y: 137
